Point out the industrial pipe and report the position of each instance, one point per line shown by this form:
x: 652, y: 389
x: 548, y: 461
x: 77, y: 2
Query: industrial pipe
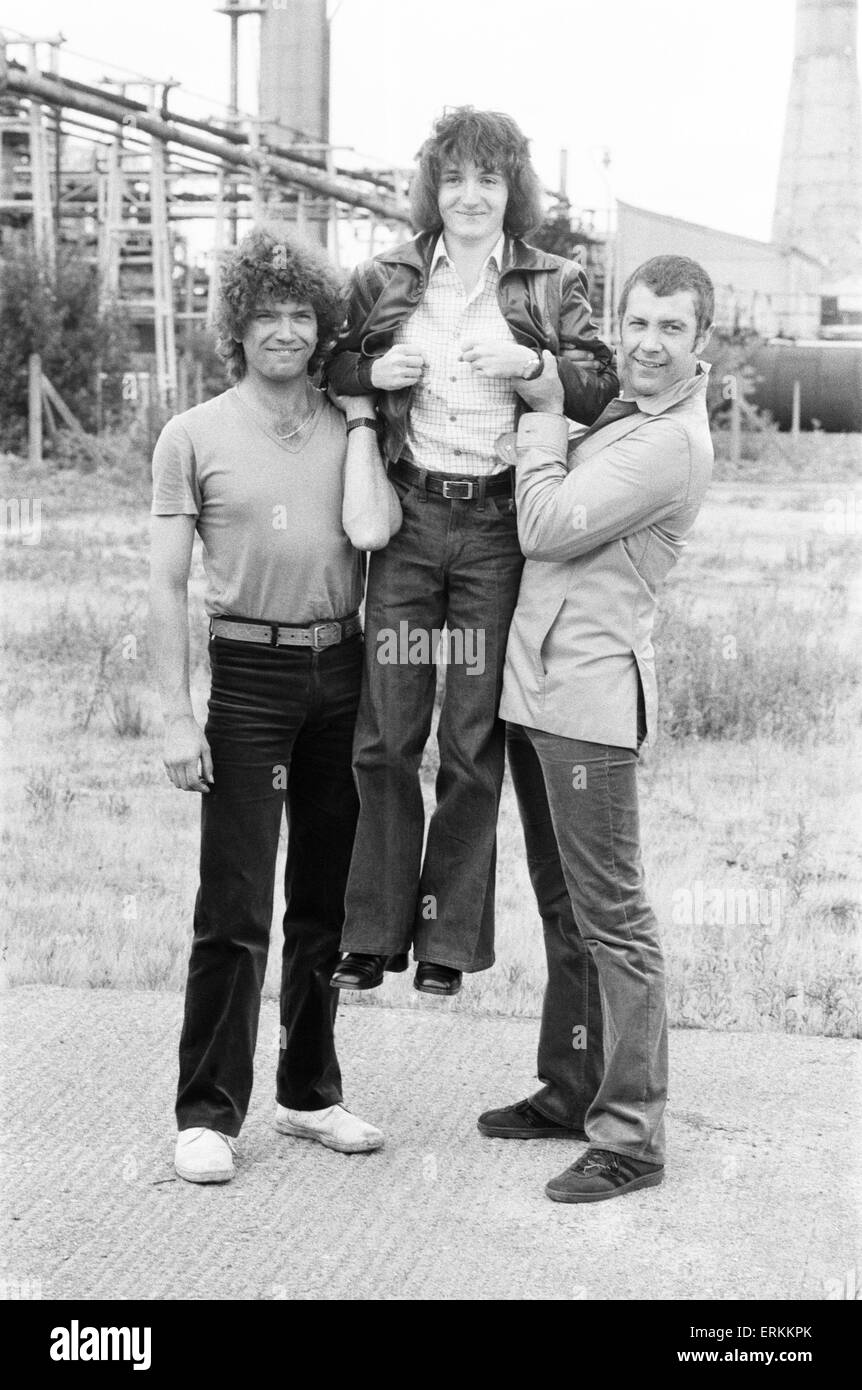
x: 56, y: 92
x: 235, y: 137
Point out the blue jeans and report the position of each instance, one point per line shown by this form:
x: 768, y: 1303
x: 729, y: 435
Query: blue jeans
x: 455, y: 563
x: 603, y: 1040
x: 280, y: 727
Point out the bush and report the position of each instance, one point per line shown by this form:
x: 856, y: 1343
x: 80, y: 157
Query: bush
x: 125, y: 450
x: 126, y: 710
x: 73, y: 449
x: 730, y: 355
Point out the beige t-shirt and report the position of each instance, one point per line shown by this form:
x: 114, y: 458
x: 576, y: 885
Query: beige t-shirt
x: 269, y: 519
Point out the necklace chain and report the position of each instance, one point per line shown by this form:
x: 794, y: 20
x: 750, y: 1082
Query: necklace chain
x: 304, y: 421
x: 290, y: 433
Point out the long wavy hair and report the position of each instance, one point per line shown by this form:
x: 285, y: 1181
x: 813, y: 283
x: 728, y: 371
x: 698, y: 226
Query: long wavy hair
x: 272, y: 264
x: 490, y: 140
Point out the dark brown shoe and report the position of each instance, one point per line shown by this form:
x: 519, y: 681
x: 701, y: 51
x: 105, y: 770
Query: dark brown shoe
x: 359, y: 971
x: 436, y: 979
x: 523, y: 1121
x: 599, y: 1174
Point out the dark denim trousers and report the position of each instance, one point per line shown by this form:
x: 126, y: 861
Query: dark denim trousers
x: 280, y: 727
x: 459, y: 564
x: 603, y: 1040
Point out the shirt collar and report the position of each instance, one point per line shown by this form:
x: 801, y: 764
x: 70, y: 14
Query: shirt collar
x: 679, y: 391
x: 496, y: 254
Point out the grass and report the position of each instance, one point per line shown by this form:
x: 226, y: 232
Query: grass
x: 751, y: 860
x: 754, y: 638
x: 771, y: 456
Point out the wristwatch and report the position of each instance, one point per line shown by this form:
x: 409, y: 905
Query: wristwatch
x: 535, y: 369
x: 360, y: 421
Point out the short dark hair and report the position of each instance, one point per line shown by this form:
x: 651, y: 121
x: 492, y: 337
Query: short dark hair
x: 490, y: 140
x: 666, y: 275
x: 270, y: 264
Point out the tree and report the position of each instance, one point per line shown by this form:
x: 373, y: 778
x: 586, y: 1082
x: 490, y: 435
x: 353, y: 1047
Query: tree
x: 730, y: 354
x: 558, y: 236
x: 57, y: 313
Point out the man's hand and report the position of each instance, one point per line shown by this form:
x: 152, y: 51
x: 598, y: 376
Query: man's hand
x: 546, y: 392
x: 397, y: 368
x: 353, y: 407
x: 186, y: 755
x: 494, y: 357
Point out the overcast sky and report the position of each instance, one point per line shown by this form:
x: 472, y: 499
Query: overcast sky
x: 688, y: 98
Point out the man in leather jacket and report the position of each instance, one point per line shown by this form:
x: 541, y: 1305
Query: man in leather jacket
x: 445, y: 329
x: 386, y: 291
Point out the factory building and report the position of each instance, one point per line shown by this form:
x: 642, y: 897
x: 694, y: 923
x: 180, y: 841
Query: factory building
x: 760, y: 287
x: 818, y: 203
x: 801, y: 291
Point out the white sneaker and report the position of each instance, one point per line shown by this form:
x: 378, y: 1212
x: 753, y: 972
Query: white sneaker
x: 204, y: 1155
x: 335, y: 1127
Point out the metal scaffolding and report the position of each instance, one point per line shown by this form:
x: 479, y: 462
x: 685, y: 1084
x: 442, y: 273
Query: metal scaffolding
x: 120, y: 176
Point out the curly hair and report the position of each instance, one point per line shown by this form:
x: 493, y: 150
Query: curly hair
x: 666, y: 275
x: 490, y: 140
x: 271, y: 264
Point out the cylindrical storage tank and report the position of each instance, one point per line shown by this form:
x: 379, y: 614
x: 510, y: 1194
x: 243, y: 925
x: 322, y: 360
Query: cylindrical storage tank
x: 830, y: 383
x: 294, y: 71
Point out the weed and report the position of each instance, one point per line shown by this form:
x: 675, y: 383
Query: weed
x: 45, y: 794
x: 126, y: 711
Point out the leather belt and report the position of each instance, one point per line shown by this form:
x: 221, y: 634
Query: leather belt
x: 451, y: 486
x: 314, y: 635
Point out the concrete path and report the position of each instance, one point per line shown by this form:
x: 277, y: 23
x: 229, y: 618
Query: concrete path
x: 758, y: 1201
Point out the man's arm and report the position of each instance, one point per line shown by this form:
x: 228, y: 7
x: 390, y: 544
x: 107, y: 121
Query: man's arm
x: 634, y: 482
x: 585, y: 362
x: 350, y: 372
x: 371, y: 511
x: 186, y: 753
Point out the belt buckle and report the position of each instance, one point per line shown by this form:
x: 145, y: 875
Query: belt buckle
x: 458, y: 496
x: 318, y: 642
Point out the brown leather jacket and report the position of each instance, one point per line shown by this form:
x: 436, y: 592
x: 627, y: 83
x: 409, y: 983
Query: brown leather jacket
x: 542, y: 297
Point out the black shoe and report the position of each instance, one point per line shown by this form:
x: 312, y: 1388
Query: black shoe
x: 359, y: 971
x: 523, y: 1121
x: 436, y: 979
x: 599, y: 1174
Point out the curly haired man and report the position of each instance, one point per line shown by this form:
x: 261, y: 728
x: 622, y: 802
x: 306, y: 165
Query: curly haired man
x: 283, y: 493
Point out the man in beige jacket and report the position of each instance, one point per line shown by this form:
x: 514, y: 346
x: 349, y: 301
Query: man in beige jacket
x: 601, y: 520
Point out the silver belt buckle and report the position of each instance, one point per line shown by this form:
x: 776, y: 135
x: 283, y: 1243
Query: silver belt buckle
x: 325, y: 635
x: 458, y: 496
